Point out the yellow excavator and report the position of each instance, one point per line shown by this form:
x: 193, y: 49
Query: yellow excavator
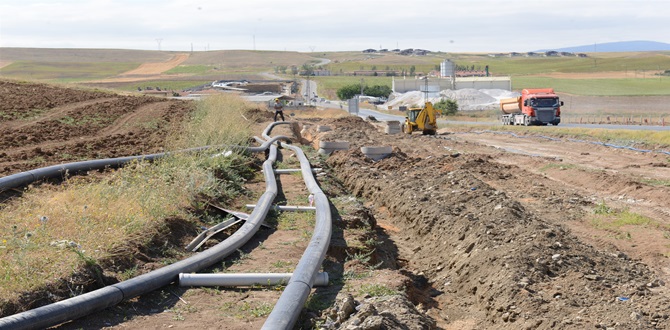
x: 421, y: 119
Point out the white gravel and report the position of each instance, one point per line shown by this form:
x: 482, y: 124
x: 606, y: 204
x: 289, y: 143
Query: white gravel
x: 468, y: 98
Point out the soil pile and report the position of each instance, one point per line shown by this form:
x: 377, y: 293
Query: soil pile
x: 490, y: 259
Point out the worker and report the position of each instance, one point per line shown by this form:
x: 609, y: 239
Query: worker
x: 279, y: 109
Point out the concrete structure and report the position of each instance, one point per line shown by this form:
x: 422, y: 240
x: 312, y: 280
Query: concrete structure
x: 436, y: 85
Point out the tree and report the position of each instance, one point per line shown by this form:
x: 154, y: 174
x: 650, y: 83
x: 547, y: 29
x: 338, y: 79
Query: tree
x: 348, y: 91
x: 307, y: 69
x: 412, y: 69
x: 447, y: 107
x: 378, y: 90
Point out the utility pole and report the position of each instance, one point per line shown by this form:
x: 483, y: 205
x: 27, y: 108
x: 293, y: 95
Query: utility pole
x: 308, y: 91
x: 159, y: 40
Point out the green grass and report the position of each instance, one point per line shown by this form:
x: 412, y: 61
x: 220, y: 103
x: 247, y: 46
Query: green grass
x: 190, y: 69
x: 621, y: 137
x: 656, y: 182
x: 64, y: 72
x: 377, y: 290
x: 596, y: 62
x: 602, y: 87
x: 613, y: 219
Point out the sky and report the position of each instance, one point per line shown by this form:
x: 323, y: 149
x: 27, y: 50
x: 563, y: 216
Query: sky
x: 314, y: 25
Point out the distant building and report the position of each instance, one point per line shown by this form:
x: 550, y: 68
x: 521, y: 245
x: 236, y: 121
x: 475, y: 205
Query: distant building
x: 370, y: 50
x: 321, y: 73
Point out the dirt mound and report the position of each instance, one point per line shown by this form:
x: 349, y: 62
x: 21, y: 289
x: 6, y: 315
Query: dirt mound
x: 494, y: 262
x: 44, y: 125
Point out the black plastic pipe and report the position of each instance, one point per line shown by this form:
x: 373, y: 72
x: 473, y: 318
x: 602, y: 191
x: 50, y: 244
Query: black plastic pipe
x: 85, y: 304
x: 287, y: 309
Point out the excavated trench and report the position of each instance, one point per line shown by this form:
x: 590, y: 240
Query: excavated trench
x: 487, y: 261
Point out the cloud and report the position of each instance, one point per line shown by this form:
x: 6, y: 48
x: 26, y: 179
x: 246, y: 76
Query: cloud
x: 455, y: 25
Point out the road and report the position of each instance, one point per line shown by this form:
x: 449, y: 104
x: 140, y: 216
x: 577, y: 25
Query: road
x: 386, y: 117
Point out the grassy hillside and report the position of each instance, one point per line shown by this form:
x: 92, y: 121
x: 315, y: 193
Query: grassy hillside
x: 82, y: 65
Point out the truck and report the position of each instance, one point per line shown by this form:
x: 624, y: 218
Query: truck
x: 535, y: 106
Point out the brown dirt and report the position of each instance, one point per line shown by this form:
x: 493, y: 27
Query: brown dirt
x: 42, y: 125
x: 478, y: 231
x: 147, y: 71
x: 504, y: 230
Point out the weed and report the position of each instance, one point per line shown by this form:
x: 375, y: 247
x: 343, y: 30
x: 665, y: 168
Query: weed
x: 67, y: 120
x: 353, y: 275
x: 281, y: 264
x: 361, y: 257
x: 656, y: 182
x: 602, y: 208
x: 243, y: 256
x: 128, y: 273
x: 377, y: 290
x: 560, y: 166
x: 178, y: 315
x: 317, y: 302
x: 263, y: 309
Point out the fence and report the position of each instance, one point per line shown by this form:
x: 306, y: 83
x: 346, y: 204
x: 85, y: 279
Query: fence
x: 616, y: 120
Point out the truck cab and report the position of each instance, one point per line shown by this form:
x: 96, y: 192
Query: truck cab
x: 541, y: 106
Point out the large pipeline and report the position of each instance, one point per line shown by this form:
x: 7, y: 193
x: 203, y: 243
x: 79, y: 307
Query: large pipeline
x: 85, y: 304
x: 61, y: 170
x: 287, y: 309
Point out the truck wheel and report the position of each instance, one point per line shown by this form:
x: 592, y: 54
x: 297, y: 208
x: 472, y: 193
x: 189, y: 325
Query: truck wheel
x: 526, y: 121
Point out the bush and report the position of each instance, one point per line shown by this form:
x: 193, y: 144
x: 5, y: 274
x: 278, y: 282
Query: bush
x: 447, y: 107
x: 349, y: 91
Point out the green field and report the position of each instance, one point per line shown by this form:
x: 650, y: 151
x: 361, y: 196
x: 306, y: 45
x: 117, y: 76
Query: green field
x: 593, y: 87
x: 65, y: 72
x: 80, y: 66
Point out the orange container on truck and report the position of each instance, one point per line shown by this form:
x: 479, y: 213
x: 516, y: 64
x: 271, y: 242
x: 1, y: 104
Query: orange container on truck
x: 537, y: 106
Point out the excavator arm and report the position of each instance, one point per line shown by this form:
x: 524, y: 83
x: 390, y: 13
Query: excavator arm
x: 427, y: 119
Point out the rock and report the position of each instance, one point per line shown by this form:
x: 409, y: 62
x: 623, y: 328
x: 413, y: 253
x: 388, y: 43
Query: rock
x: 348, y: 307
x: 592, y: 277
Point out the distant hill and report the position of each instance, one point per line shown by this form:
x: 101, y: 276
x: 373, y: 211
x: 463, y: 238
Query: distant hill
x: 622, y: 46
